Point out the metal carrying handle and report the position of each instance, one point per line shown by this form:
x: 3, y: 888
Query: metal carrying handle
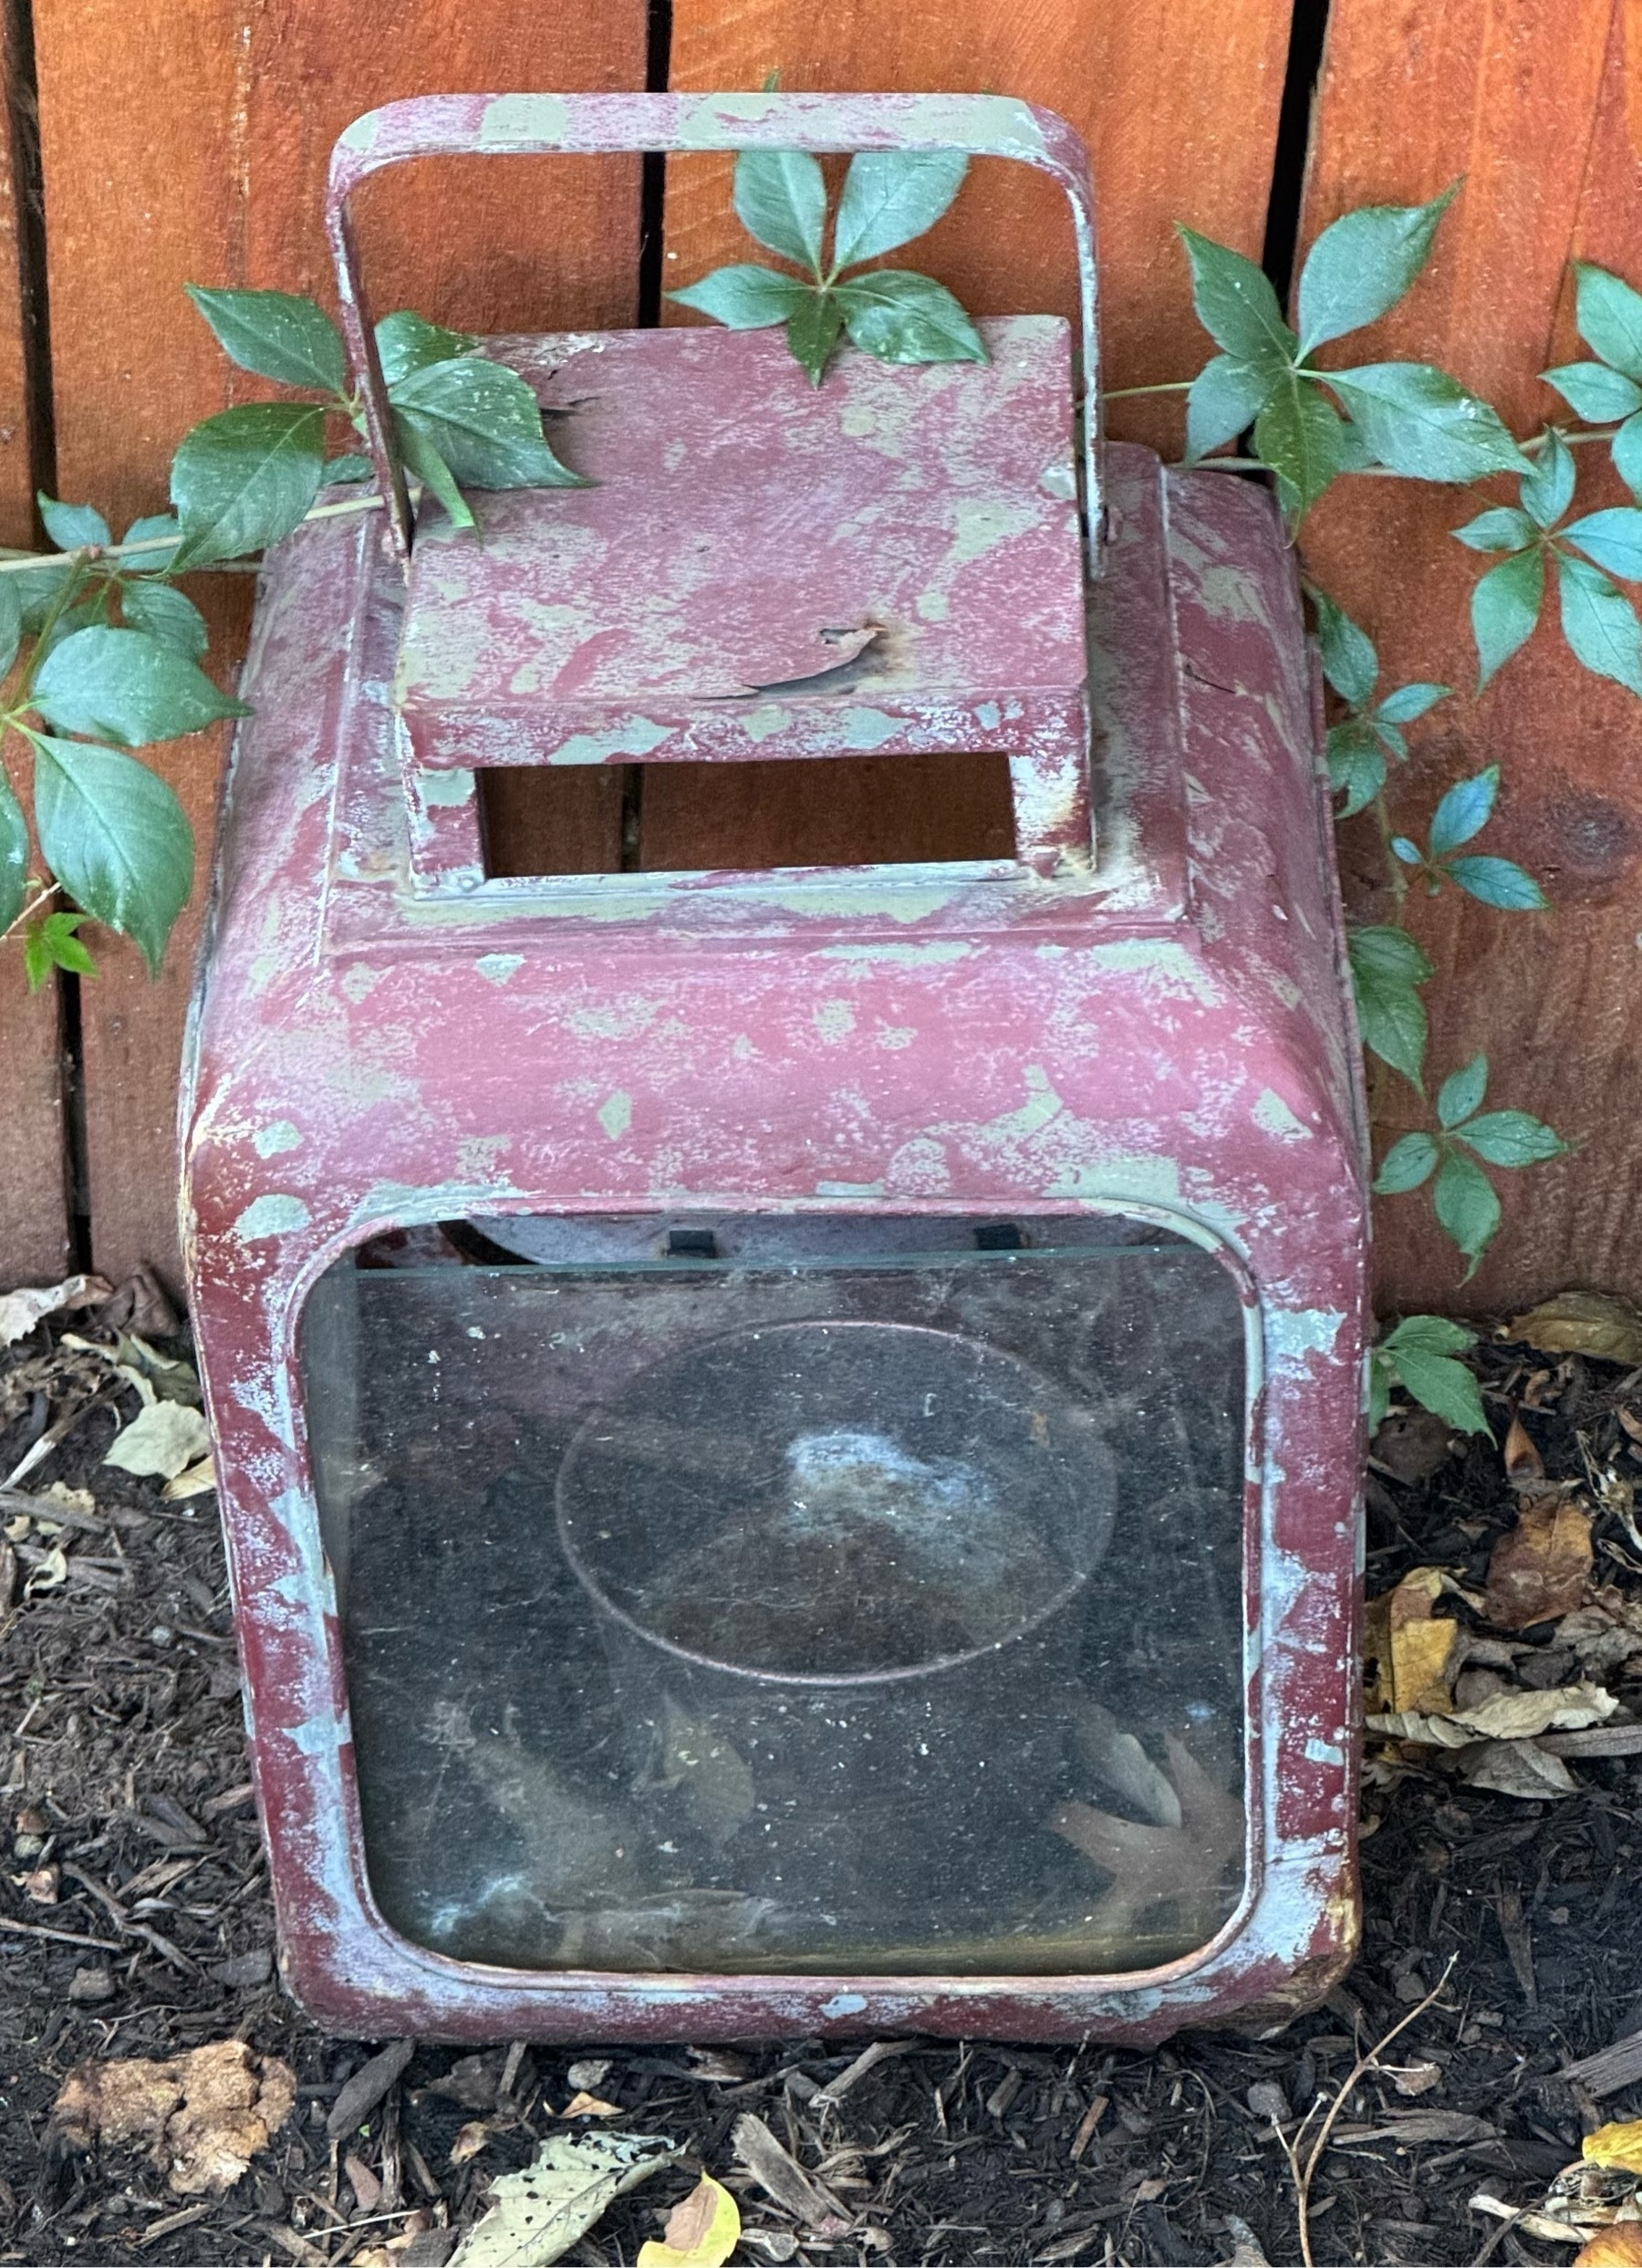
x: 434, y: 126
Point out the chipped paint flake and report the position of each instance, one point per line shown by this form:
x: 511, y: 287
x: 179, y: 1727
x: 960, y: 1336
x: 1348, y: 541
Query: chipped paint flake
x: 496, y: 967
x: 277, y: 1134
x: 509, y: 120
x: 275, y: 1213
x: 1274, y: 1114
x: 638, y: 736
x: 834, y: 1019
x: 615, y: 1114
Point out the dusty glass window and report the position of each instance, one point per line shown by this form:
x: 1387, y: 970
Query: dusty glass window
x: 825, y: 1594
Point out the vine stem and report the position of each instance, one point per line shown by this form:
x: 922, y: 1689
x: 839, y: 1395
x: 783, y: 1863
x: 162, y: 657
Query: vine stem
x: 87, y: 554
x: 32, y: 907
x: 1394, y: 865
x: 1168, y: 386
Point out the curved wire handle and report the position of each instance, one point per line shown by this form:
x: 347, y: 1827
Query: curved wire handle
x: 428, y: 126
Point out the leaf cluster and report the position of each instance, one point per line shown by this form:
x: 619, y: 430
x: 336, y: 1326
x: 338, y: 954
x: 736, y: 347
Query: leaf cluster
x: 1420, y: 1354
x: 1465, y: 1201
x: 1312, y: 424
x: 890, y: 196
x: 113, y: 661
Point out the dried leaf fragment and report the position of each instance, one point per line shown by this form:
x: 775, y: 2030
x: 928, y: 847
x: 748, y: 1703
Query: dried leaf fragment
x: 584, y: 2106
x: 203, y: 2117
x: 537, y: 2214
x: 162, y: 1439
x: 1619, y: 2144
x: 1583, y: 1323
x: 779, y: 2176
x: 470, y: 2140
x: 701, y: 2231
x: 1412, y: 1649
x: 1520, y: 1716
x: 1541, y: 1568
x: 20, y: 1311
x: 1520, y: 1768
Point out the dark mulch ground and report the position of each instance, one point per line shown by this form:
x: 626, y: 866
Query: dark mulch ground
x: 121, y: 1765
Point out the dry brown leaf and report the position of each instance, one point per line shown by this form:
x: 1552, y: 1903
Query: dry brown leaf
x: 1618, y: 2247
x: 1517, y: 1716
x: 20, y: 1311
x: 589, y: 2106
x: 1522, y: 1460
x: 365, y: 2185
x: 470, y: 2140
x: 1617, y: 2145
x: 1412, y: 2078
x: 1412, y: 1650
x: 1541, y: 1568
x: 1583, y: 1323
x: 203, y: 2117
x: 1520, y: 1768
x: 194, y: 1482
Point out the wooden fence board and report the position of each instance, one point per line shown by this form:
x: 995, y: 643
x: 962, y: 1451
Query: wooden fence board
x: 1179, y: 100
x: 189, y: 144
x: 34, y: 1227
x: 1541, y: 107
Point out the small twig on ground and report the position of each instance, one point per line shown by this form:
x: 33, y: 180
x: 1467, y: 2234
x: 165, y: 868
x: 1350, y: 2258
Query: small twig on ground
x: 1302, y: 2174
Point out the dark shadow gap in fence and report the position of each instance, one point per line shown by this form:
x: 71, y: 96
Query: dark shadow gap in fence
x: 28, y: 196
x: 1309, y: 32
x: 653, y: 214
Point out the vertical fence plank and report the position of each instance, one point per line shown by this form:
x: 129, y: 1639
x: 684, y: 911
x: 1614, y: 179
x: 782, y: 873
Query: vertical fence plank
x: 33, y: 1225
x: 1540, y: 107
x: 1179, y: 100
x: 189, y: 144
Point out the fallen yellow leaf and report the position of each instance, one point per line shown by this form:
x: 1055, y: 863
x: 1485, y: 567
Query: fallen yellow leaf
x: 1411, y: 1650
x: 1583, y: 1323
x: 584, y: 2106
x: 1617, y: 2145
x: 1618, y: 2247
x: 702, y: 2230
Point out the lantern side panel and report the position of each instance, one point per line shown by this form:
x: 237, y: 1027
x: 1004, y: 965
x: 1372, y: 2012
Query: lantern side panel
x: 840, y: 1596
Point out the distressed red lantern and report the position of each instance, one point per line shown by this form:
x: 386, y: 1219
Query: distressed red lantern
x: 789, y: 1437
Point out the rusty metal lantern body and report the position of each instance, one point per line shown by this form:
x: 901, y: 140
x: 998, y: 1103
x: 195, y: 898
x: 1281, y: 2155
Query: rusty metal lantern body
x: 789, y: 1439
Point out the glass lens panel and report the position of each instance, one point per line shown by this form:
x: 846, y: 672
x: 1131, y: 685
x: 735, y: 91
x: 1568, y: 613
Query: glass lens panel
x: 818, y: 1594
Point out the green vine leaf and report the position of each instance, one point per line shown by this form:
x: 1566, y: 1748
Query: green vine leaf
x: 1406, y: 1165
x: 813, y: 331
x: 484, y: 422
x: 151, y: 529
x: 1349, y: 662
x: 1356, y: 764
x: 1464, y: 811
x: 1409, y: 702
x: 1608, y: 315
x: 275, y: 333
x: 125, y: 686
x: 1302, y: 436
x: 1421, y: 422
x: 1387, y: 967
x: 889, y: 197
x: 1504, y: 609
x: 244, y: 478
x: 1224, y: 396
x: 902, y: 318
x: 11, y: 624
x: 1613, y: 539
x: 70, y: 526
x: 14, y: 856
x: 167, y: 614
x: 1498, y: 882
x: 1626, y: 450
x: 1599, y: 622
x: 423, y: 460
x: 1462, y: 1092
x: 51, y: 944
x: 1511, y: 1138
x: 345, y: 469
x: 1361, y: 265
x: 406, y: 343
x: 1547, y: 490
x: 1237, y: 306
x: 745, y: 297
x: 115, y: 836
x: 1419, y: 1357
x: 1500, y: 528
x: 781, y: 201
x: 1467, y: 1207
x: 1595, y: 392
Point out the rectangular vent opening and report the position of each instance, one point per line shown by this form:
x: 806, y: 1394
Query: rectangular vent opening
x: 662, y: 818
